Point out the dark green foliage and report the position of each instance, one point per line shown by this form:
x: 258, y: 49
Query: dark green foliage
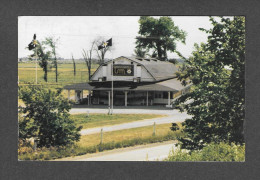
x: 52, y: 43
x: 46, y: 117
x: 159, y: 35
x: 139, y: 52
x: 212, y: 152
x: 217, y: 97
x: 74, y: 65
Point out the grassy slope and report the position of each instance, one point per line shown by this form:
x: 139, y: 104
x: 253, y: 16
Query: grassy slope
x: 126, y: 134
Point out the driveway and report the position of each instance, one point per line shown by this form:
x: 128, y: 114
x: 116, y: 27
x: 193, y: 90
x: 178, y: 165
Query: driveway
x: 150, y: 152
x: 176, y: 117
x: 124, y: 110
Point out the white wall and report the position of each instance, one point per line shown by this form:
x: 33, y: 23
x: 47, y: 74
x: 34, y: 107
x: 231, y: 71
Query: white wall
x: 106, y: 71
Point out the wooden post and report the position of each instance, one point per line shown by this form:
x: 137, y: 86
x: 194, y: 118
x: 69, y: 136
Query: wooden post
x: 154, y: 128
x: 68, y: 94
x: 34, y: 145
x: 101, y: 136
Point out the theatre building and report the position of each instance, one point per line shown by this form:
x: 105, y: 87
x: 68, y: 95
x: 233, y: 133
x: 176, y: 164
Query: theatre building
x: 136, y: 81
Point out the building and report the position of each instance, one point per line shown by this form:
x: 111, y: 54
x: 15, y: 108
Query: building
x: 136, y: 81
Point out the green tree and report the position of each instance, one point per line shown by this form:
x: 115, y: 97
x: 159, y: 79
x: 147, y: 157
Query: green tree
x: 46, y: 117
x: 42, y: 58
x: 87, y: 56
x: 139, y: 52
x: 74, y: 65
x: 52, y: 43
x: 159, y: 35
x: 217, y: 97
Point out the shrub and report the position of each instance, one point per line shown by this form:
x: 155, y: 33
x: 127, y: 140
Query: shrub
x: 211, y: 152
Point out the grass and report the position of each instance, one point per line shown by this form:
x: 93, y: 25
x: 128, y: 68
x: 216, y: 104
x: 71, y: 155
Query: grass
x: 126, y: 134
x: 100, y: 120
x: 26, y: 73
x: 112, y: 140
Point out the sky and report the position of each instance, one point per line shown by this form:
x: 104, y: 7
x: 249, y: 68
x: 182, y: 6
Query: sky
x: 77, y: 32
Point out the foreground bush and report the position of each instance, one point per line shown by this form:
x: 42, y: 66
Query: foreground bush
x: 211, y: 152
x: 45, y: 117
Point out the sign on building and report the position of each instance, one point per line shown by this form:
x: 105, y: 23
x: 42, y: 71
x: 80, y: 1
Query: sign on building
x: 123, y: 70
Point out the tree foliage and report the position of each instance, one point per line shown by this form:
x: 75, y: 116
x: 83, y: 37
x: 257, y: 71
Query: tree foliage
x: 52, y: 43
x: 46, y: 117
x: 159, y: 35
x: 87, y: 56
x: 74, y: 65
x: 42, y: 58
x: 217, y: 97
x: 139, y: 52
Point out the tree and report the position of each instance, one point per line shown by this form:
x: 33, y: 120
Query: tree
x: 139, y: 52
x: 46, y: 117
x: 102, y: 52
x: 52, y: 43
x: 159, y: 35
x: 217, y: 97
x: 74, y: 65
x: 42, y: 58
x: 87, y: 55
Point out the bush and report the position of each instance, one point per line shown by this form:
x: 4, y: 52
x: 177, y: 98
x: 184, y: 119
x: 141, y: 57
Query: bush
x: 45, y: 117
x: 211, y: 152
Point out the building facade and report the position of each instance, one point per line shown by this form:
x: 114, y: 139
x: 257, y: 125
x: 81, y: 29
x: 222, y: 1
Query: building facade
x: 127, y: 81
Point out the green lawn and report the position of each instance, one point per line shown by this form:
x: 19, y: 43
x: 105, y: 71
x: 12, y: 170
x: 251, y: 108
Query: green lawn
x: 99, y: 120
x: 27, y: 73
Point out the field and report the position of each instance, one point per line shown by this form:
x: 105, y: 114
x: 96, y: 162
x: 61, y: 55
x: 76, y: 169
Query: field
x: 111, y: 140
x: 27, y: 74
x: 125, y: 135
x: 99, y: 120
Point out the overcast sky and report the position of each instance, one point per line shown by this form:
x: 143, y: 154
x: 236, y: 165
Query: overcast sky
x: 77, y: 32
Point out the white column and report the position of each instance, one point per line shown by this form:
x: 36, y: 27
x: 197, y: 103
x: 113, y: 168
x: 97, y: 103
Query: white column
x: 147, y: 98
x: 82, y: 94
x: 68, y: 94
x: 125, y: 98
x: 88, y: 97
x: 89, y: 94
x: 169, y: 98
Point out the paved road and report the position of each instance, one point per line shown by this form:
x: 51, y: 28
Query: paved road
x: 151, y: 152
x: 180, y: 117
x: 172, y: 116
x: 123, y: 110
